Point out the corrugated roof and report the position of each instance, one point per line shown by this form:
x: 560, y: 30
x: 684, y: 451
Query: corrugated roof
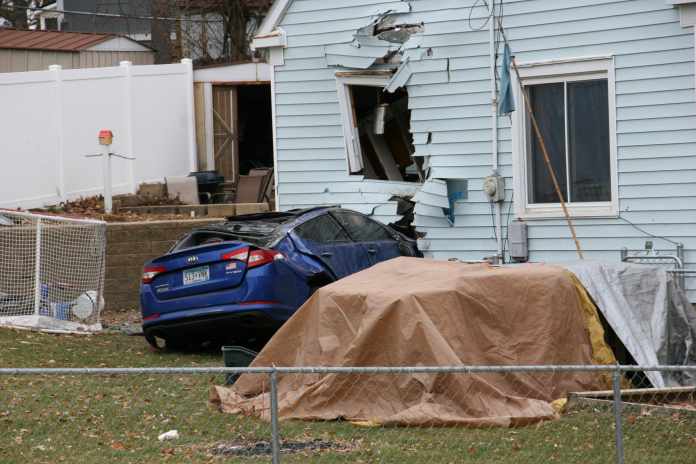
x: 50, y: 40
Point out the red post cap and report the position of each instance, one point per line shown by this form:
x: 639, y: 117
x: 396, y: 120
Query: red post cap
x: 106, y: 137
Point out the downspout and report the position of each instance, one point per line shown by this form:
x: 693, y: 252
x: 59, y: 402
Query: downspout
x: 494, y: 126
x: 274, y: 122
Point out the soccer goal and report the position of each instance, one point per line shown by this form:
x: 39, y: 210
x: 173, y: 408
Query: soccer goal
x: 51, y: 272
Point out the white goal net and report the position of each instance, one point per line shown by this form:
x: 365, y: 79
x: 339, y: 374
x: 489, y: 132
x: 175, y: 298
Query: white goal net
x: 51, y: 272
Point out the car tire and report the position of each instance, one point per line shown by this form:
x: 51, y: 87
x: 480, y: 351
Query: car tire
x: 153, y: 342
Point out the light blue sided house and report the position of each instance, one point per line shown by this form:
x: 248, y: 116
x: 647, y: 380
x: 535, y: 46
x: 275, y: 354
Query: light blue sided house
x: 376, y: 100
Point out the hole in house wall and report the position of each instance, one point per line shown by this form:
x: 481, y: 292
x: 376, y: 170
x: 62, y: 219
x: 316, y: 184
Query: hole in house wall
x: 389, y: 29
x: 383, y: 121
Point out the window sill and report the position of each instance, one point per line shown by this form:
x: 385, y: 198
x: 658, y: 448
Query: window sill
x: 578, y: 210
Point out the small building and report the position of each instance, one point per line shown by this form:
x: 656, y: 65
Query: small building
x: 234, y: 128
x: 37, y: 50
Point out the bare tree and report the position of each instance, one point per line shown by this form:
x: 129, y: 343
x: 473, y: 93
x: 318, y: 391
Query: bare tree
x: 236, y: 15
x: 223, y: 28
x: 161, y: 30
x: 16, y: 12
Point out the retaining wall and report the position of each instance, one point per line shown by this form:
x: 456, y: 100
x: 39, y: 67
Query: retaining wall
x: 128, y: 247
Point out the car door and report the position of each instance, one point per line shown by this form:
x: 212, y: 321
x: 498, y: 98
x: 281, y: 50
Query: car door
x: 376, y: 239
x: 324, y: 239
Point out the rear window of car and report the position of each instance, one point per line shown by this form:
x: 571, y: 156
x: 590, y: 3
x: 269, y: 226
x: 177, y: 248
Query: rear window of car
x: 361, y: 228
x: 322, y: 229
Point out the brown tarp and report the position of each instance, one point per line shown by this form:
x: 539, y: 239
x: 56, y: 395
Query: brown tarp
x: 417, y: 312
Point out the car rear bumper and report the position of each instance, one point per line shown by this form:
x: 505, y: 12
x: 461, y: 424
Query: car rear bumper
x: 229, y: 321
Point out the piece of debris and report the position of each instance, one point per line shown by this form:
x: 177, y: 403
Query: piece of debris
x: 171, y: 435
x: 130, y: 329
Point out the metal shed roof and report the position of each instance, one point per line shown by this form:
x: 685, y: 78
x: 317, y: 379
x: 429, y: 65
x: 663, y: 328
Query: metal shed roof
x: 50, y: 40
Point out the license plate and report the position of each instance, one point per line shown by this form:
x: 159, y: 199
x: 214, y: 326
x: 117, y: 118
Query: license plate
x: 196, y: 275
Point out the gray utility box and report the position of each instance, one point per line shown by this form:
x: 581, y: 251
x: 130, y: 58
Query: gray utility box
x: 519, y: 241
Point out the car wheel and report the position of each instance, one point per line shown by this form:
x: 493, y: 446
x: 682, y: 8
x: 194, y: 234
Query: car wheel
x: 154, y: 342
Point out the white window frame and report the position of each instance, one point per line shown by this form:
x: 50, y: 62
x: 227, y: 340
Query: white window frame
x: 556, y: 71
x: 350, y: 132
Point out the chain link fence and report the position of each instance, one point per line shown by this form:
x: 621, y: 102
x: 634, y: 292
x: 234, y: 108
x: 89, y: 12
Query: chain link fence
x: 117, y: 415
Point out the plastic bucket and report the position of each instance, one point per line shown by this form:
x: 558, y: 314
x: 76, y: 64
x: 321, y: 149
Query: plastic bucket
x: 237, y: 356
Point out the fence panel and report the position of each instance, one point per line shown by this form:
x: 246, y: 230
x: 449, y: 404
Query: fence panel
x: 56, y: 116
x: 117, y: 415
x: 52, y: 272
x: 28, y: 138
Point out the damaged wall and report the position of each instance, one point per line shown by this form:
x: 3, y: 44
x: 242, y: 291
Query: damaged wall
x: 445, y: 67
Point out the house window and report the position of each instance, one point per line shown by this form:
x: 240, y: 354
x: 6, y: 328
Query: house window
x: 573, y: 103
x: 376, y: 129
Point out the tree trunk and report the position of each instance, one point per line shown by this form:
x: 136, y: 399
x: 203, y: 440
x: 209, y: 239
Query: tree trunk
x: 16, y: 13
x: 161, y: 31
x: 236, y: 40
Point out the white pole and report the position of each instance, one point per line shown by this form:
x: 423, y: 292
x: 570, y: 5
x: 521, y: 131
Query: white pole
x: 274, y: 119
x: 494, y: 127
x: 191, y: 117
x: 37, y: 269
x: 106, y: 164
x: 56, y: 70
x: 128, y: 114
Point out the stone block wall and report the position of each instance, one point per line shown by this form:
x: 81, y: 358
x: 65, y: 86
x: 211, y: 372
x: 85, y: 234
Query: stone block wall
x: 128, y: 247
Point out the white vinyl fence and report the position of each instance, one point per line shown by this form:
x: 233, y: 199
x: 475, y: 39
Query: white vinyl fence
x: 49, y: 121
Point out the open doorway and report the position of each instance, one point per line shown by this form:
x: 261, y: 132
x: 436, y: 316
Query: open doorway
x: 234, y: 132
x: 243, y: 129
x: 381, y: 145
x: 255, y: 128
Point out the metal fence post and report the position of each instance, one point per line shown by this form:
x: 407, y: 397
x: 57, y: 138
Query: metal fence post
x: 275, y: 436
x: 617, y: 416
x: 37, y: 269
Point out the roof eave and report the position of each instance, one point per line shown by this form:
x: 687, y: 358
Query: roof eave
x: 273, y: 17
x: 277, y: 38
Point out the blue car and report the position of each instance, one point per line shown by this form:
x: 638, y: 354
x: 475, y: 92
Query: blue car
x: 238, y: 281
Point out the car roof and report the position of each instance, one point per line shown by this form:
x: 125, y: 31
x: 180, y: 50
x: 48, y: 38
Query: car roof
x: 279, y: 217
x: 263, y: 228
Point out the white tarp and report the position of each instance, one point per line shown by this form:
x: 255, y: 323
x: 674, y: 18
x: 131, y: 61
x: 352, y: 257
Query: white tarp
x: 649, y: 313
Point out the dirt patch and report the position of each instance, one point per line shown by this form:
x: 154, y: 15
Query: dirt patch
x: 263, y: 448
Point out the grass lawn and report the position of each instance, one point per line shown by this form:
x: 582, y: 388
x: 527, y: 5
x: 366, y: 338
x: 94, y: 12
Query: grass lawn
x: 117, y: 419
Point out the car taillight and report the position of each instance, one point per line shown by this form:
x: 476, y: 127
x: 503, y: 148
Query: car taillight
x: 261, y: 257
x: 238, y: 255
x: 151, y: 317
x: 150, y: 272
x: 254, y: 258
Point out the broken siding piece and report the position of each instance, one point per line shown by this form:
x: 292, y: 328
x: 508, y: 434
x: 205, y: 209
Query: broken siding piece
x: 400, y: 77
x: 358, y: 55
x: 438, y: 197
x: 433, y: 193
x: 367, y: 47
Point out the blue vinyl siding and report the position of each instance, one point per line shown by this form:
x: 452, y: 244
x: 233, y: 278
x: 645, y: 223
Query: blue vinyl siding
x: 449, y: 95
